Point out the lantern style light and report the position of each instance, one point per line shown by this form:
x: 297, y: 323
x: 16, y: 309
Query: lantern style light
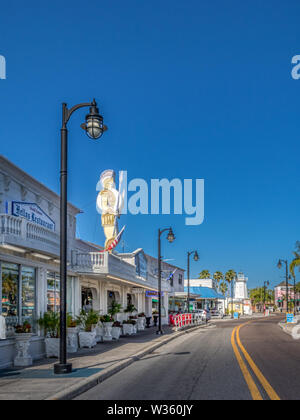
x: 196, y: 256
x: 279, y: 265
x: 94, y: 126
x: 171, y: 236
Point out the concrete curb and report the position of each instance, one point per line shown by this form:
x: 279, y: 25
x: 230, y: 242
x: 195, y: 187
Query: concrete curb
x: 285, y: 328
x: 86, y: 384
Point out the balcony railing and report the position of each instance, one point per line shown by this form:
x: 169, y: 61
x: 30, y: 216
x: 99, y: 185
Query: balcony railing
x: 112, y: 266
x: 20, y: 232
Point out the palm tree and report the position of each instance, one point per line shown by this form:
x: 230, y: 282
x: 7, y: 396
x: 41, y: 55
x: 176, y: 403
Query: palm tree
x: 229, y: 277
x: 295, y: 263
x: 223, y: 288
x: 218, y: 276
x: 205, y: 274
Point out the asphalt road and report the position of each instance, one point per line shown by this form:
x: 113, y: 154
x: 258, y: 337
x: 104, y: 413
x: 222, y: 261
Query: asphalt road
x: 203, y: 365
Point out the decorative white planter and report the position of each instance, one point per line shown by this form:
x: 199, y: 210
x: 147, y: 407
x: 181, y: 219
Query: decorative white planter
x: 135, y: 330
x: 23, y: 358
x: 99, y: 334
x: 107, y: 329
x: 116, y: 332
x: 52, y: 347
x: 87, y: 339
x: 141, y: 321
x: 128, y: 329
x: 72, y: 340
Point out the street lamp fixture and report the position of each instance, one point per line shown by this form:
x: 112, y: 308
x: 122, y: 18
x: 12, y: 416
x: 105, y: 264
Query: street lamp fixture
x: 94, y: 128
x: 196, y: 258
x: 170, y: 238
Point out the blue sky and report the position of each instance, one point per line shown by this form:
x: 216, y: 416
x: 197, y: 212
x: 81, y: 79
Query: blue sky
x: 188, y: 90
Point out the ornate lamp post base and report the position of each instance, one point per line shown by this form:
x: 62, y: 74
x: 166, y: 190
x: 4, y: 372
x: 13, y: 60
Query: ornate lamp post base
x: 61, y: 369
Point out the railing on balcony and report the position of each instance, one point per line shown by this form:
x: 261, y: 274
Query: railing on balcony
x: 41, y: 234
x: 10, y: 225
x: 19, y: 231
x: 88, y: 260
x: 111, y: 265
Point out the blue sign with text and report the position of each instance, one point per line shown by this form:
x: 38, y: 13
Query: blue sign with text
x: 33, y: 213
x: 290, y: 318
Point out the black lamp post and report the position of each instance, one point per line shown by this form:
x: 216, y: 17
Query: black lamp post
x: 196, y: 258
x: 266, y: 283
x: 279, y: 265
x: 94, y: 128
x: 171, y: 238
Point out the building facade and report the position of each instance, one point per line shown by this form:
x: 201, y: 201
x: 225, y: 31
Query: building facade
x: 280, y: 296
x: 30, y: 266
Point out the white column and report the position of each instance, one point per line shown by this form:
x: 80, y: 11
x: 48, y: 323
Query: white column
x: 77, y: 296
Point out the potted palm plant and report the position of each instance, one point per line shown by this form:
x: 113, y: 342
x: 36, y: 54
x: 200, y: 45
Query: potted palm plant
x: 49, y: 322
x: 130, y: 309
x: 128, y: 327
x: 88, y: 322
x: 23, y: 335
x: 141, y: 321
x: 116, y: 330
x: 155, y: 317
x: 107, y: 322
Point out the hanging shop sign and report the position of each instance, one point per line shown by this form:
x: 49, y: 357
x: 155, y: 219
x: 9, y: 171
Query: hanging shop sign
x: 153, y: 294
x: 33, y: 213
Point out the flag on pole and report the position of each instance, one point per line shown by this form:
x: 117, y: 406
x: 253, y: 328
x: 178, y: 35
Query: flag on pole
x: 172, y: 274
x: 115, y: 241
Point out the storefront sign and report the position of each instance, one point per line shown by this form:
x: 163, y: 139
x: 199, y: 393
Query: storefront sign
x: 138, y: 290
x: 33, y: 213
x: 152, y: 293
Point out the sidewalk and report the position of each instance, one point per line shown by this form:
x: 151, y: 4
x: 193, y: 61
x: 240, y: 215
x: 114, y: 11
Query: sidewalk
x: 90, y: 366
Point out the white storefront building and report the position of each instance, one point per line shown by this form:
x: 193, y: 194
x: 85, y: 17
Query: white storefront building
x: 29, y: 263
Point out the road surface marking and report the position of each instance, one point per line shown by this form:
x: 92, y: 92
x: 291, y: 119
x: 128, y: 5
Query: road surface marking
x: 266, y: 385
x: 248, y: 378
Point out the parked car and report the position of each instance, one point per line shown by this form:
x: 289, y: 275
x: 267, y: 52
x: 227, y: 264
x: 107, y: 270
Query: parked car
x: 205, y: 313
x: 215, y: 313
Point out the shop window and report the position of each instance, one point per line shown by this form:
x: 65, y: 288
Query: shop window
x: 111, y: 297
x: 171, y: 279
x: 53, y: 292
x: 86, y: 299
x: 18, y: 303
x: 129, y: 299
x: 180, y: 279
x: 28, y: 294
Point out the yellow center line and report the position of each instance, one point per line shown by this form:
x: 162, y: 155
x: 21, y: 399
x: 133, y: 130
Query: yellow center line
x: 248, y: 378
x: 266, y: 385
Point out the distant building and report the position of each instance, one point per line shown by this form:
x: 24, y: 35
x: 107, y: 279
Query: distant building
x: 240, y: 289
x: 241, y: 302
x: 201, y: 283
x: 205, y: 294
x: 280, y: 295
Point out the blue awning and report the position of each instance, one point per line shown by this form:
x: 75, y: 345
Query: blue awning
x: 205, y: 292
